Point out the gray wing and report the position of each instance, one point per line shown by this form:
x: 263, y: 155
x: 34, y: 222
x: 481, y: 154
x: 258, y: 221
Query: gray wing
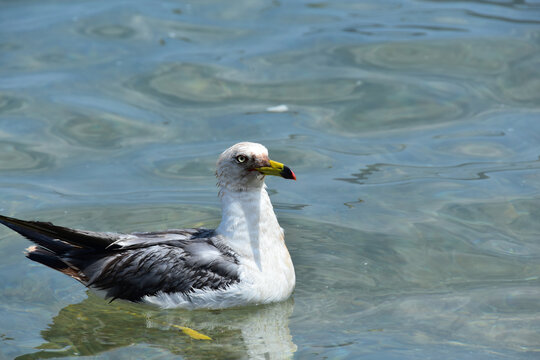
x: 131, y: 266
x: 161, y: 262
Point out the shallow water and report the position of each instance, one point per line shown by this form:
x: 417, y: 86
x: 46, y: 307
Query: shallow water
x: 413, y: 128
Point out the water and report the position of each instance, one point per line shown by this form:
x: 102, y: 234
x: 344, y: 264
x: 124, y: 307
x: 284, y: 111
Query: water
x: 413, y: 128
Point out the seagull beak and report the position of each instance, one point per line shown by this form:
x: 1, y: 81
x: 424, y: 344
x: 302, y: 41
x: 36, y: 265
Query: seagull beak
x: 276, y: 169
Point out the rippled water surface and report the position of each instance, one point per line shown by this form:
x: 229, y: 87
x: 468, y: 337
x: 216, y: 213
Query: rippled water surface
x: 413, y: 128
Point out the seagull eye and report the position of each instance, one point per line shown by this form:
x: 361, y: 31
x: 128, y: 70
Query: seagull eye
x: 241, y: 158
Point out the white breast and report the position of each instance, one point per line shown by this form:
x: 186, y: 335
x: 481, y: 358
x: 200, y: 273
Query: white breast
x: 251, y: 229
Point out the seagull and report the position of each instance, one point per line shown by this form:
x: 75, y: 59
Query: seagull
x: 244, y: 261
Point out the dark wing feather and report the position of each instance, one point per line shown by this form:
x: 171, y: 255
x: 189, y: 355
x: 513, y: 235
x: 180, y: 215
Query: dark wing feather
x: 58, y: 238
x: 174, y: 267
x: 132, y: 266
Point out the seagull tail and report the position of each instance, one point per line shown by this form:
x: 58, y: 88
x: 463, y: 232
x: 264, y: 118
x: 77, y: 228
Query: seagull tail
x: 58, y: 239
x: 39, y: 233
x: 54, y: 261
x: 55, y: 244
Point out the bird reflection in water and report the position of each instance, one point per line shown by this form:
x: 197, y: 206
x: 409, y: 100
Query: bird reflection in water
x: 95, y: 326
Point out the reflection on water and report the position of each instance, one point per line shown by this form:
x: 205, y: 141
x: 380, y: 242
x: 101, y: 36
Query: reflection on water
x: 94, y: 326
x: 412, y: 128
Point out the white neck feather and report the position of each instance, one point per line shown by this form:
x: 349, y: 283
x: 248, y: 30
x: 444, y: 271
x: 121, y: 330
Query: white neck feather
x: 250, y: 227
x: 249, y: 223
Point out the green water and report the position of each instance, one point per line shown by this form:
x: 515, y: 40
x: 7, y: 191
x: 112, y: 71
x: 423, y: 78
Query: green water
x: 413, y: 128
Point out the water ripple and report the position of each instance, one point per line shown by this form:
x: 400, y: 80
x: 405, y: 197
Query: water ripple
x: 391, y: 173
x: 390, y: 105
x: 10, y: 103
x: 104, y: 132
x: 502, y: 18
x: 109, y: 31
x: 199, y: 83
x: 480, y: 224
x: 16, y: 156
x: 522, y: 82
x: 466, y: 56
x: 192, y: 169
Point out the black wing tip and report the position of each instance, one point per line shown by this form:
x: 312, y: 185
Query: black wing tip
x: 6, y: 220
x: 43, y: 234
x: 11, y: 221
x: 46, y: 257
x: 55, y: 233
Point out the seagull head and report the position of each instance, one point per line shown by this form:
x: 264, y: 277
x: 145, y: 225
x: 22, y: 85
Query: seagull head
x: 243, y: 166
